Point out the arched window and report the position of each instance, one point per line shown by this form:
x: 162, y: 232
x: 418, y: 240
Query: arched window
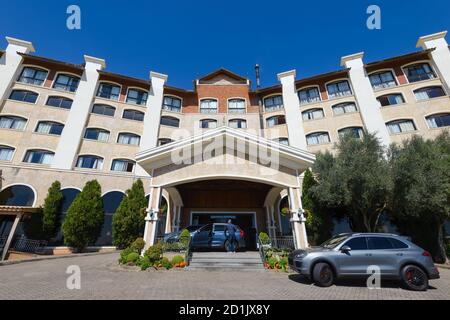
x: 59, y: 102
x: 273, y: 103
x: 137, y: 96
x: 208, y: 106
x: 399, y: 126
x: 382, y: 80
x: 111, y: 202
x: 163, y: 141
x: 90, y: 162
x: 171, y: 103
x: 275, y: 121
x: 96, y: 134
x: 12, y: 122
x: 313, y: 114
x: 123, y: 165
x: 170, y: 121
x: 318, y: 138
x: 128, y: 138
x: 6, y: 153
x: 236, y: 106
x: 32, y: 75
x: 66, y: 82
x: 49, y: 127
x: 429, y: 93
x: 356, y: 132
x: 17, y: 195
x: 419, y: 72
x: 391, y: 99
x: 346, y: 107
x: 24, y: 96
x: 438, y: 120
x: 108, y: 91
x: 39, y: 156
x: 284, y: 141
x: 103, y: 109
x: 238, y: 123
x: 339, y: 89
x: 309, y: 95
x: 208, y: 123
x: 133, y: 115
x: 285, y: 223
x: 69, y: 194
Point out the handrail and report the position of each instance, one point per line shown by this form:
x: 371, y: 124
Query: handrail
x: 188, y: 253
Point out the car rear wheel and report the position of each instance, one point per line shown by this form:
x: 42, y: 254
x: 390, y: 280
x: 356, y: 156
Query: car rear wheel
x: 323, y: 274
x: 414, y: 278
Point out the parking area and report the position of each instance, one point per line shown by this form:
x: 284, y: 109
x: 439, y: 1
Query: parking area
x: 102, y: 278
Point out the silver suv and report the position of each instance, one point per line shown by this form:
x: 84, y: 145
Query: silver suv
x: 350, y: 254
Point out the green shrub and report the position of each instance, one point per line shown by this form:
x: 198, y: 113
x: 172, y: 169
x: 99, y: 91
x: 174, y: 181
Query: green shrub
x: 166, y: 263
x: 177, y: 259
x: 144, y: 263
x: 284, y: 263
x: 264, y: 238
x: 138, y: 245
x: 124, y: 254
x: 51, y: 211
x: 154, y: 253
x: 272, y: 261
x: 184, y: 237
x: 132, y: 257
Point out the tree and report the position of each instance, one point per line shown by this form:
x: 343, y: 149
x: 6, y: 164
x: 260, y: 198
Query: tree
x: 420, y: 199
x: 51, y: 211
x: 129, y: 220
x: 84, y: 220
x: 318, y: 220
x: 356, y: 181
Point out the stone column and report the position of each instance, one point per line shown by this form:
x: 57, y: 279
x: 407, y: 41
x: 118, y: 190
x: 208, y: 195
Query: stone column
x: 10, y: 63
x: 440, y: 55
x: 151, y: 219
x: 367, y: 102
x: 297, y: 219
x: 69, y: 142
x: 292, y: 110
x: 169, y: 215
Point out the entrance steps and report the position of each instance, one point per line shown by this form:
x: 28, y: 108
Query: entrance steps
x: 219, y: 261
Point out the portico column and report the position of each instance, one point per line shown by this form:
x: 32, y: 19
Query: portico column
x: 10, y: 63
x: 69, y: 141
x: 368, y: 105
x: 440, y: 54
x: 291, y: 104
x: 151, y: 219
x: 169, y: 215
x: 297, y: 219
x: 11, y: 235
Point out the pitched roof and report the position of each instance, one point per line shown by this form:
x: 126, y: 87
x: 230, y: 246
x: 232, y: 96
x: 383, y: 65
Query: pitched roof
x: 224, y: 71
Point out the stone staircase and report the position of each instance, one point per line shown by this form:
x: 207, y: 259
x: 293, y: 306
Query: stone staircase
x: 219, y: 261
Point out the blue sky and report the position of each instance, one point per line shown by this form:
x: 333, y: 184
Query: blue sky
x: 187, y: 39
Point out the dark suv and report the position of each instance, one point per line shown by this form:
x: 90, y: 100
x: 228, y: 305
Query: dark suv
x: 350, y: 255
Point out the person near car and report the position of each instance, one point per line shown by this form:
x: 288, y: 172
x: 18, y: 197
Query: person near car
x: 230, y: 233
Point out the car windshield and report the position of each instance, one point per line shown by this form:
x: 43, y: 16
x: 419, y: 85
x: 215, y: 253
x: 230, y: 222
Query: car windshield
x: 335, y: 241
x: 192, y: 228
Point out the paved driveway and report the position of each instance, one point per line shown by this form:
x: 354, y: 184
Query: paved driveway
x: 102, y: 278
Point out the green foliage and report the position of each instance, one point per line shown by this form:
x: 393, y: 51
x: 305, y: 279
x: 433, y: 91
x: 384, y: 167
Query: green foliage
x: 272, y: 262
x: 129, y: 220
x: 144, y: 263
x: 165, y: 263
x: 83, y: 222
x: 154, y: 253
x: 356, y: 180
x: 177, y: 259
x: 138, y: 245
x: 32, y: 226
x: 185, y: 237
x: 420, y: 201
x: 264, y: 238
x: 133, y: 257
x: 51, y: 211
x: 124, y: 254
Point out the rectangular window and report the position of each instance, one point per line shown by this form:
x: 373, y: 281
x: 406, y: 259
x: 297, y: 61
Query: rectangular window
x: 310, y: 95
x: 108, y: 91
x: 208, y: 106
x: 59, y: 102
x: 50, y: 128
x: 66, y: 82
x: 391, y: 99
x: 122, y: 165
x: 401, y: 126
x: 273, y: 103
x: 318, y: 138
x: 419, y: 72
x: 339, y: 89
x: 138, y: 97
x: 439, y: 121
x: 33, y: 76
x: 172, y: 104
x: 6, y: 153
x: 313, y: 114
x: 382, y: 80
x: 15, y: 123
x: 103, y: 110
x: 39, y: 157
x: 236, y: 106
x: 23, y: 95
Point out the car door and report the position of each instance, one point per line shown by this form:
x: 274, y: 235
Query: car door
x: 353, y: 262
x: 202, y: 237
x: 218, y: 235
x: 384, y: 255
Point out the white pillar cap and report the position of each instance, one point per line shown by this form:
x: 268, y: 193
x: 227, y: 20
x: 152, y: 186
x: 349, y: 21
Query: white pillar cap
x: 21, y: 43
x: 153, y: 74
x: 287, y: 74
x: 351, y: 57
x: 95, y: 60
x: 430, y: 37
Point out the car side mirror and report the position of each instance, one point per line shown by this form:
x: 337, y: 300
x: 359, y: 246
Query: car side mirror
x: 345, y: 249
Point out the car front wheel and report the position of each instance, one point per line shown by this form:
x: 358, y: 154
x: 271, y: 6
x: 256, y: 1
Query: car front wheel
x: 323, y: 274
x: 414, y: 278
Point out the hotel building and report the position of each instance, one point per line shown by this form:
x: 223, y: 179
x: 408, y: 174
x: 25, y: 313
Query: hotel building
x: 78, y: 122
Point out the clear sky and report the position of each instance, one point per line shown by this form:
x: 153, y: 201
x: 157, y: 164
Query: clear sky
x: 187, y: 39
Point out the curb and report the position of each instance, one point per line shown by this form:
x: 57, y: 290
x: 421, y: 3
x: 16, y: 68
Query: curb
x: 73, y: 255
x: 443, y: 266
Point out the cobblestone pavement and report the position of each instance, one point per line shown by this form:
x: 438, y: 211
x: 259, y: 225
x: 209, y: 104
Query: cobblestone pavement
x: 102, y: 278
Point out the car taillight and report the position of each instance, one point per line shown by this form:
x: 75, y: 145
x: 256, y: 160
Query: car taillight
x: 241, y: 233
x: 426, y: 254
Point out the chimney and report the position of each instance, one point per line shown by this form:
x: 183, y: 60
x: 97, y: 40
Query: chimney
x: 258, y: 79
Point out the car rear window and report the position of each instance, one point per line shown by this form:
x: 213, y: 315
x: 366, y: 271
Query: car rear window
x: 358, y: 243
x: 219, y: 227
x: 379, y: 243
x: 397, y: 244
